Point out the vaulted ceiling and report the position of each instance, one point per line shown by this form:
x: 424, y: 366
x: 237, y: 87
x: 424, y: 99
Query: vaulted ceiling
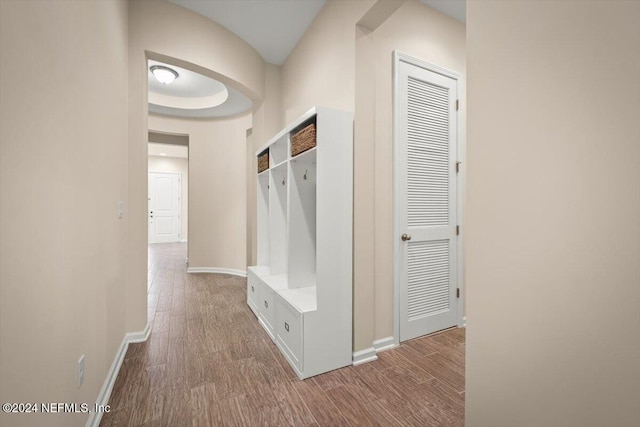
x: 272, y: 27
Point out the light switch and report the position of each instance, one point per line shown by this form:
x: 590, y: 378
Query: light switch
x: 120, y: 209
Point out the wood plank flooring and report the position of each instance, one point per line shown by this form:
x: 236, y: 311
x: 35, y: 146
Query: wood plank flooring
x: 209, y: 363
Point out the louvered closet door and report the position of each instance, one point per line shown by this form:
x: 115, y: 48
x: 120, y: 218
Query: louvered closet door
x: 426, y: 186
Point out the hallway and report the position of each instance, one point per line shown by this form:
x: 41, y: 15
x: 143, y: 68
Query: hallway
x: 208, y: 363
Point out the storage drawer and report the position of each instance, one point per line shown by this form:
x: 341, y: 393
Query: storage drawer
x: 289, y: 332
x: 266, y: 308
x: 253, y: 293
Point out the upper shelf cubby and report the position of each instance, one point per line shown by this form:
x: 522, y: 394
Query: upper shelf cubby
x: 303, y: 136
x: 280, y: 146
x: 311, y: 120
x: 279, y: 150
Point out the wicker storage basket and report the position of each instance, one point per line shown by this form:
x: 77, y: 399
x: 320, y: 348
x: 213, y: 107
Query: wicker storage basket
x: 303, y: 140
x: 263, y: 161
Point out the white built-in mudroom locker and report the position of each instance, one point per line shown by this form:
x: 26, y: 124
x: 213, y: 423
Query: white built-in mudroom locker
x: 301, y: 287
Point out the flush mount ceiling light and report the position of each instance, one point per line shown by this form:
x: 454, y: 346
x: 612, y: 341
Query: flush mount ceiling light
x: 164, y: 75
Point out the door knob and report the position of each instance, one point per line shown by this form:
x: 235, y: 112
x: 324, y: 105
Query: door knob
x: 406, y: 237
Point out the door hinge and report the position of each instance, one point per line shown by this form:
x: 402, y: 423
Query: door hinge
x: 458, y: 167
x: 457, y: 104
x: 457, y: 230
x: 457, y: 292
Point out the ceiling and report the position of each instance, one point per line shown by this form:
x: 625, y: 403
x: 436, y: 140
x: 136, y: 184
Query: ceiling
x: 272, y: 27
x: 188, y: 84
x: 194, y: 95
x: 453, y: 8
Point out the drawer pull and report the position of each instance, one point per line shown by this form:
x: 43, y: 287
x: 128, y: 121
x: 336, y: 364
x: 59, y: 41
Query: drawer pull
x: 286, y: 326
x: 266, y: 304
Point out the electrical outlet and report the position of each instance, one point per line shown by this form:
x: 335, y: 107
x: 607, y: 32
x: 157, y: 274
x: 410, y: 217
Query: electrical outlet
x: 120, y: 209
x: 80, y: 371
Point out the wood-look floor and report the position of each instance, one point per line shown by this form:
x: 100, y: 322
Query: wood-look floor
x: 209, y: 363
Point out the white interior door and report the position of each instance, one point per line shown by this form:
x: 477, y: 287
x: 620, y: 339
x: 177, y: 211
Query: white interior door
x: 164, y: 207
x: 426, y: 156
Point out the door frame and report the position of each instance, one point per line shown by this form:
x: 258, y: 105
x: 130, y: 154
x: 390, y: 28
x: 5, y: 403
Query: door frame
x: 179, y: 208
x: 399, y: 57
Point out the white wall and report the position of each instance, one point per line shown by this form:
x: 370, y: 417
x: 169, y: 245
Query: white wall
x: 341, y: 65
x: 553, y: 230
x: 166, y: 32
x: 426, y: 34
x: 217, y: 188
x: 321, y: 68
x: 63, y: 160
x: 176, y: 164
x: 267, y: 120
x: 73, y: 275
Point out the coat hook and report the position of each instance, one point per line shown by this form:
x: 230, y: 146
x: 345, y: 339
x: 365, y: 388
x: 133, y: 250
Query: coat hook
x: 305, y: 174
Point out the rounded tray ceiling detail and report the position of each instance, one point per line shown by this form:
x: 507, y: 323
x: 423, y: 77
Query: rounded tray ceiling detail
x: 193, y: 103
x: 193, y: 95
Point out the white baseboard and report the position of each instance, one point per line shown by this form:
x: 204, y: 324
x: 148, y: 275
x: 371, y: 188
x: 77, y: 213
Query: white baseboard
x: 384, y: 344
x: 370, y: 354
x: 140, y: 336
x: 364, y: 356
x: 217, y: 270
x: 107, y: 386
